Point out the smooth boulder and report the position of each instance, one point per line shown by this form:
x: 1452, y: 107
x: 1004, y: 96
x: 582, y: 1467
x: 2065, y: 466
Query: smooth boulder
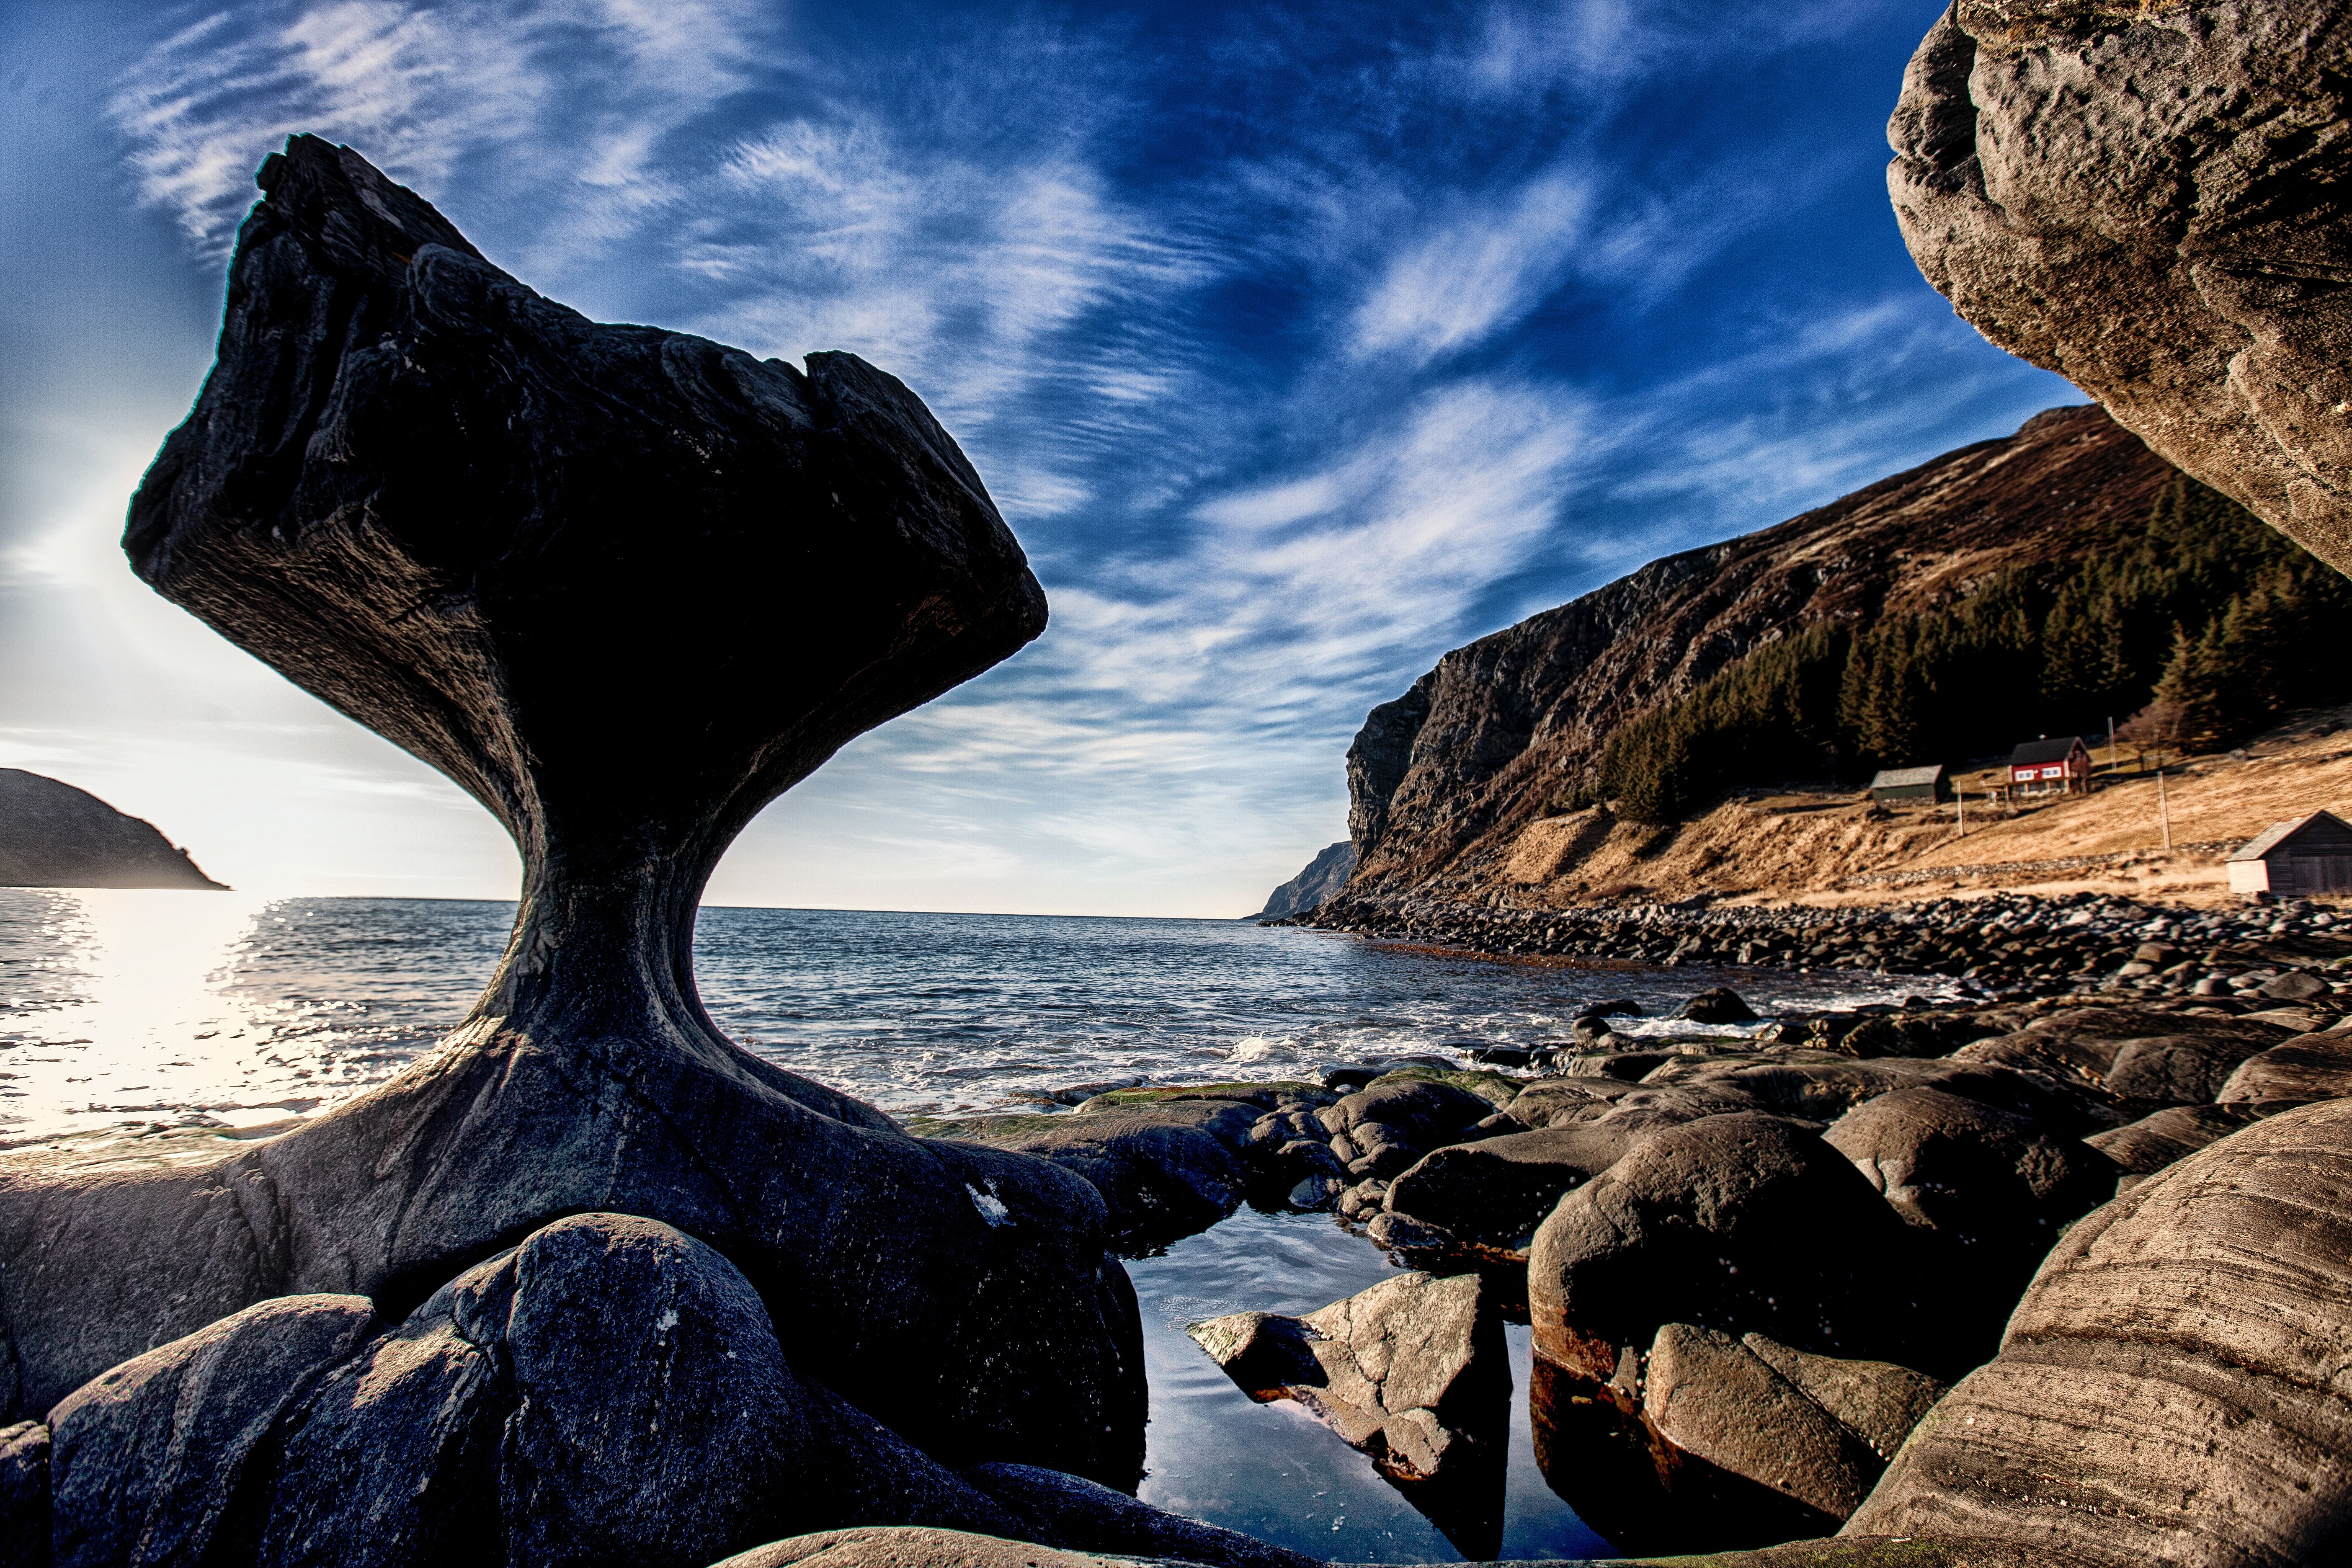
x: 2146, y: 1146
x: 1492, y: 1194
x: 1742, y: 1222
x: 2312, y: 1068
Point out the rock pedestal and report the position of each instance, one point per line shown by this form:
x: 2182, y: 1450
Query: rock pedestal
x: 624, y: 586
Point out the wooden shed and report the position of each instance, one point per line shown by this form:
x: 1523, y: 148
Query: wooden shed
x: 2050, y: 765
x: 2310, y: 855
x: 1927, y: 784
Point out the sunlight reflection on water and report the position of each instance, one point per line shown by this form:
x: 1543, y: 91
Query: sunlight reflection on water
x: 126, y: 1008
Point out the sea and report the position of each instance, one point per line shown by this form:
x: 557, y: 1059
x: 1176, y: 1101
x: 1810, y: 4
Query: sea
x: 123, y: 1011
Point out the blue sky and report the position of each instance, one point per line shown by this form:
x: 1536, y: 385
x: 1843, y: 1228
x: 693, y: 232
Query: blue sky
x: 1299, y: 343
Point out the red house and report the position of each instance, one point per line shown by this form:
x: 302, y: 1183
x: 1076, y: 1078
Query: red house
x: 2048, y: 766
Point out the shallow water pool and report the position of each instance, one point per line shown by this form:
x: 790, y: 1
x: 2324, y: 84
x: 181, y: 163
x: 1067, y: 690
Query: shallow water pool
x: 1273, y: 1470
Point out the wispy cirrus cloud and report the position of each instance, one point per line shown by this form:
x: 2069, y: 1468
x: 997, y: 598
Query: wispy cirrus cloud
x: 1295, y: 353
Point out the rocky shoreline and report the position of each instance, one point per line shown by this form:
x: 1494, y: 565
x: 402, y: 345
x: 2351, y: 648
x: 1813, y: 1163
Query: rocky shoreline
x: 2011, y: 944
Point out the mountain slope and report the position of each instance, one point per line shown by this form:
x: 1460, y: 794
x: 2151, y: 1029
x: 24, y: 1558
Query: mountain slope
x: 1323, y: 876
x: 1440, y: 780
x: 55, y: 835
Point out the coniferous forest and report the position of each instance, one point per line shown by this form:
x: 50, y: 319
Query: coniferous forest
x: 2198, y: 628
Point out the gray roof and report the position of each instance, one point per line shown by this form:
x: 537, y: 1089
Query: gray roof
x: 1897, y: 778
x: 2054, y: 749
x: 2278, y: 833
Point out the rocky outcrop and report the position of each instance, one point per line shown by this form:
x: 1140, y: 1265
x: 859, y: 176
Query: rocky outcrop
x: 624, y: 585
x: 1324, y: 876
x: 2170, y: 1390
x: 1413, y: 1371
x: 2147, y: 200
x: 55, y: 835
x: 1442, y: 781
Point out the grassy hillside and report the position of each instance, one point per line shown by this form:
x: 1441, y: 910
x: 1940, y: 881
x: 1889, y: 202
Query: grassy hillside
x: 2200, y: 623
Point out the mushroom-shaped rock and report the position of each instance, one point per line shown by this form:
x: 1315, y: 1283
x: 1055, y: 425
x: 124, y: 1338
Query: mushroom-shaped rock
x: 624, y: 585
x: 2148, y: 199
x: 2172, y: 1388
x: 1739, y: 1222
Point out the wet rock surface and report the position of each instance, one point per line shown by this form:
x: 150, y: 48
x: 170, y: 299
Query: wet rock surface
x: 426, y: 493
x: 2146, y: 201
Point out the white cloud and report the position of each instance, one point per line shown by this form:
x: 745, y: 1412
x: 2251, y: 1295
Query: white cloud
x: 581, y: 95
x: 1476, y: 275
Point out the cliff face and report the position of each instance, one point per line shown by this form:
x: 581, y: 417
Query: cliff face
x: 55, y: 835
x: 1441, y: 779
x: 1324, y: 876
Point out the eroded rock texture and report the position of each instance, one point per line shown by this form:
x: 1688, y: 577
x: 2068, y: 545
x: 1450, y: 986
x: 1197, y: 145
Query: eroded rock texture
x: 624, y: 586
x: 2150, y: 199
x: 2171, y: 1390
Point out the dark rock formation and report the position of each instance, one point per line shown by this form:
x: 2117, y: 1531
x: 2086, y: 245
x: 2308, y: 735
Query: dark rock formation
x: 1383, y: 1129
x: 2170, y: 1389
x: 1706, y: 1441
x: 1164, y: 1169
x: 1413, y: 1371
x: 1324, y: 876
x: 145, y: 1460
x: 55, y: 835
x: 2148, y: 200
x: 25, y: 1496
x: 1989, y: 1189
x: 1441, y: 780
x: 1068, y: 1511
x: 624, y: 585
x: 1716, y: 1004
x: 2296, y: 1073
x: 1815, y: 1430
x: 1490, y: 1196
